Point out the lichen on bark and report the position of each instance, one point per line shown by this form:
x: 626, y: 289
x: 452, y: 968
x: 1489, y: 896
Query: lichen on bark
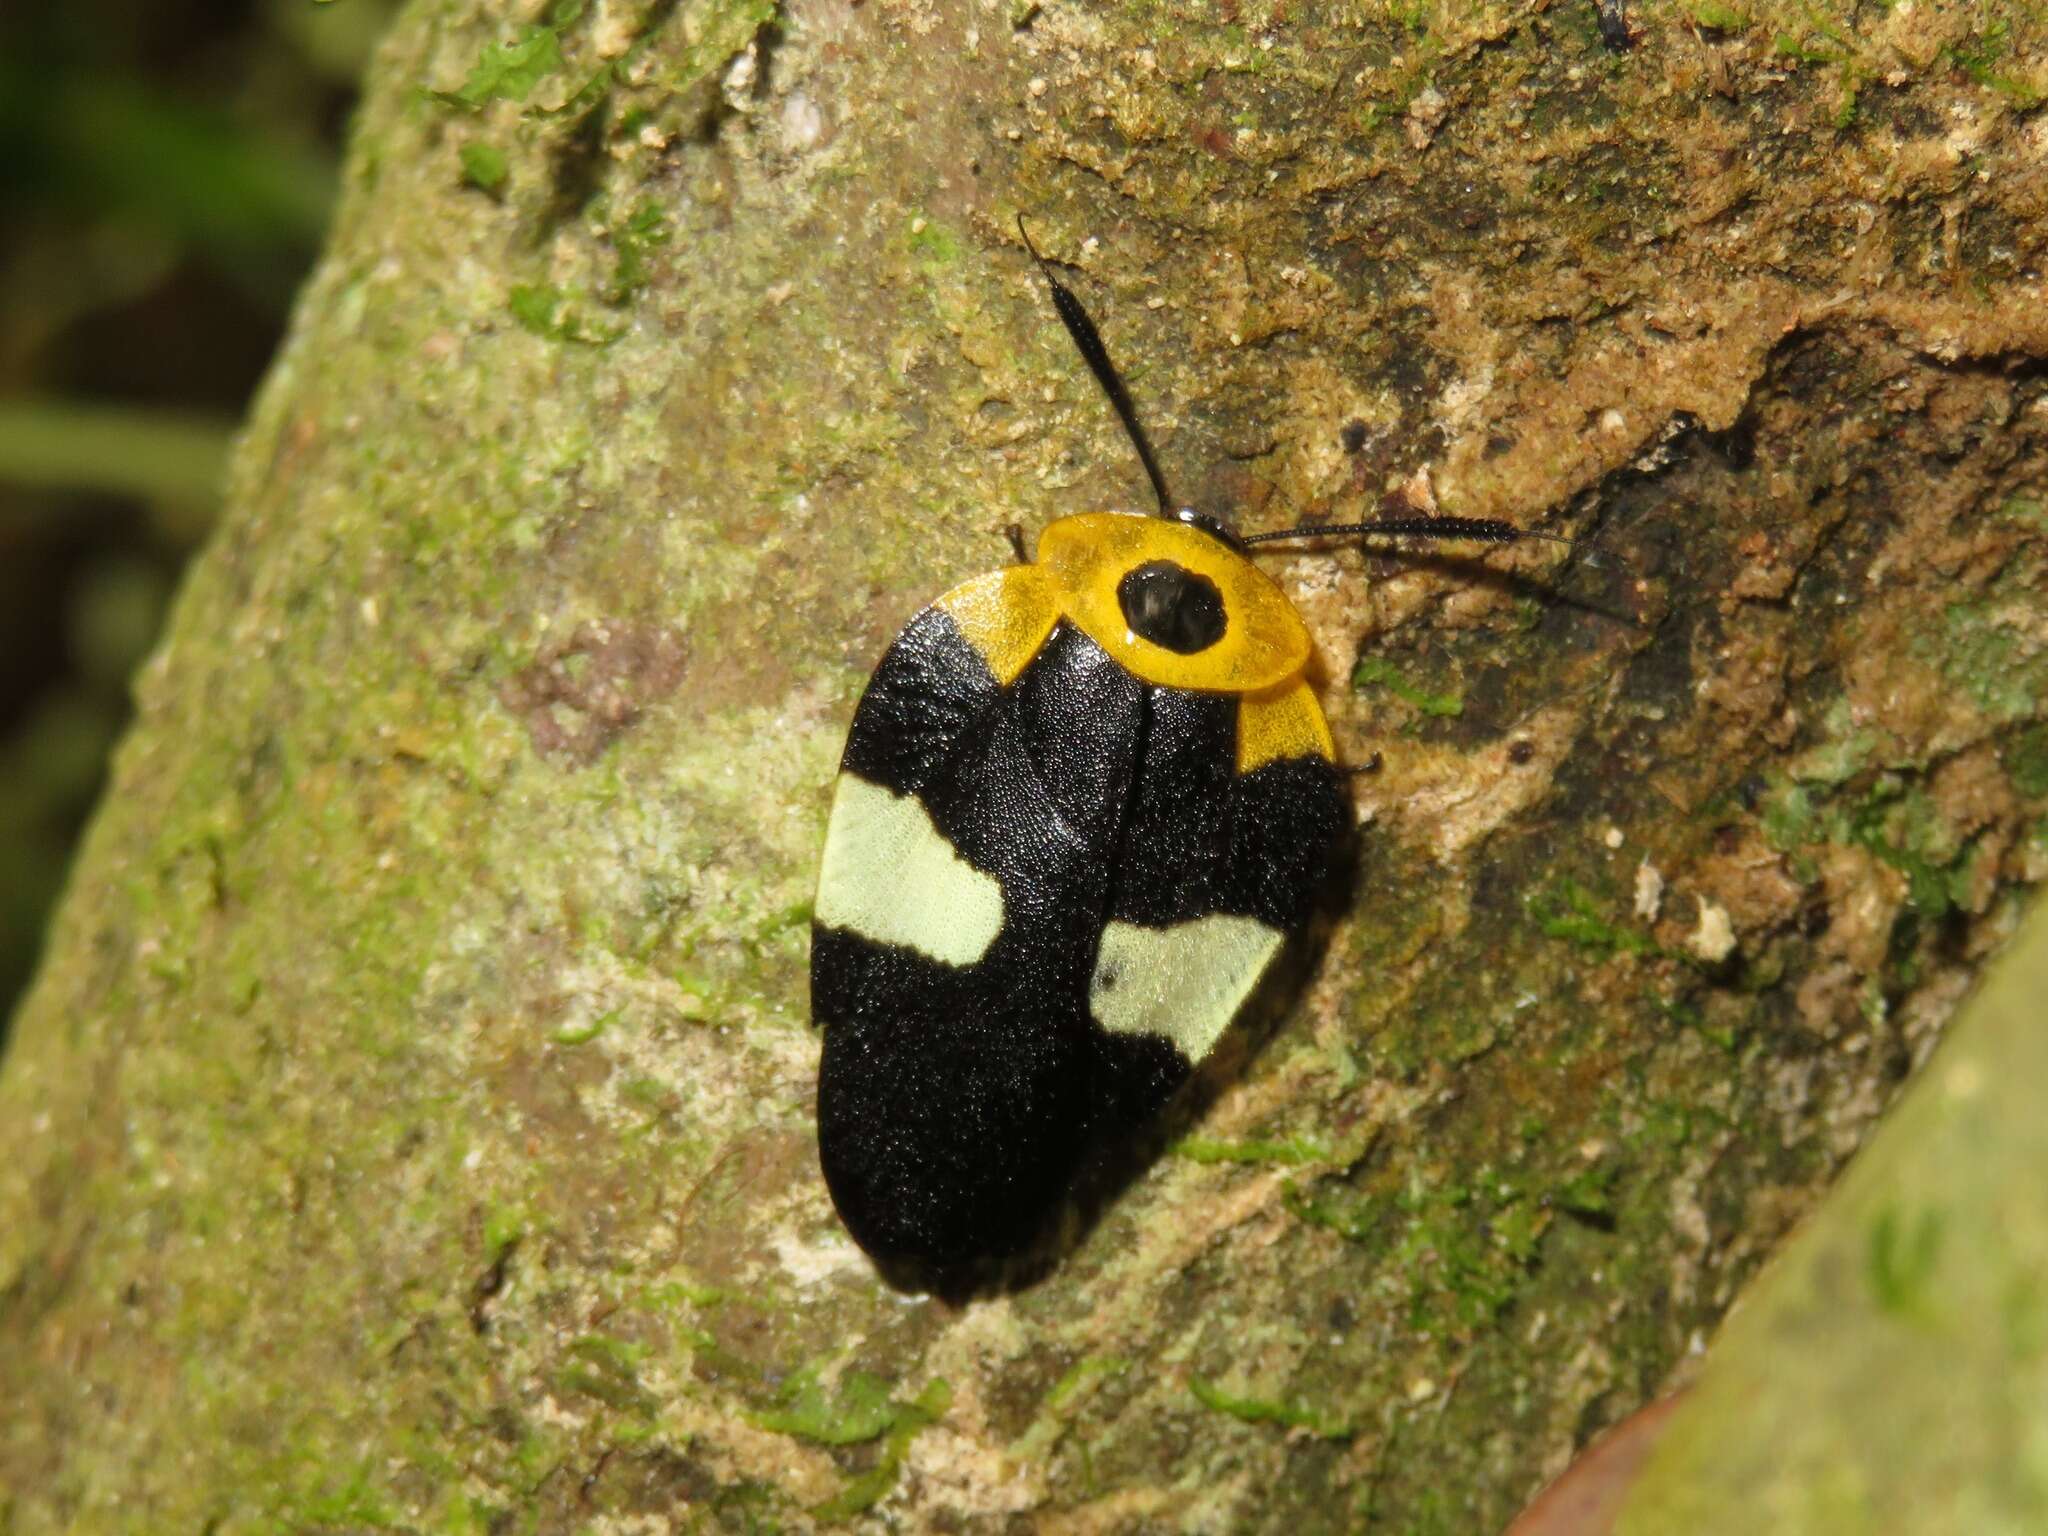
x: 411, y: 1126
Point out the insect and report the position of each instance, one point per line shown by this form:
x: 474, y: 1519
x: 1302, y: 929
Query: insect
x: 1085, y: 802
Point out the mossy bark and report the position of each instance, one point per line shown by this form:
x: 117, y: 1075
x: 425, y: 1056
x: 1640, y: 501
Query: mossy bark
x: 411, y: 1126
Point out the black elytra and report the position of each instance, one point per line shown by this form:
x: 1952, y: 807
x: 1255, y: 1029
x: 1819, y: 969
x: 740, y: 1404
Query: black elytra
x: 1085, y: 803
x: 958, y: 1104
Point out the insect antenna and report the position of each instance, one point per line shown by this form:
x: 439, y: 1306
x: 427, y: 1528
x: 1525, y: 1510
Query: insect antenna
x: 1088, y: 341
x: 1485, y: 530
x: 1096, y: 355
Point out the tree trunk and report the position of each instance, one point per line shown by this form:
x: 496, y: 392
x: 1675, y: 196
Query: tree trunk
x: 412, y: 1123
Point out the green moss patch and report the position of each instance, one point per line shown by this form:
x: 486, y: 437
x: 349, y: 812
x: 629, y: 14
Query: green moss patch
x: 1260, y: 1410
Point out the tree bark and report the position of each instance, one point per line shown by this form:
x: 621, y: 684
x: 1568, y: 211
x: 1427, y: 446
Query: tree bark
x: 411, y: 1126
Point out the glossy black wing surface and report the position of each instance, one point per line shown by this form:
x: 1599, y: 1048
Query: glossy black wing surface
x: 1215, y: 871
x: 959, y: 973
x: 959, y: 1087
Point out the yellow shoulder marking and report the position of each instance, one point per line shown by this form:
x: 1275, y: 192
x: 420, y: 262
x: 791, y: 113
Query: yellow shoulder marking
x: 1280, y: 723
x: 1004, y: 615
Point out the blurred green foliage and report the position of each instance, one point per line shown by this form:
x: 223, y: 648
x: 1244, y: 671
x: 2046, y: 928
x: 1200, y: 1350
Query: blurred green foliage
x: 166, y: 171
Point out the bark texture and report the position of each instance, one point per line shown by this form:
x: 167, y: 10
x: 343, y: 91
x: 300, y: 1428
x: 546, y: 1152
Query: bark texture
x: 411, y: 1127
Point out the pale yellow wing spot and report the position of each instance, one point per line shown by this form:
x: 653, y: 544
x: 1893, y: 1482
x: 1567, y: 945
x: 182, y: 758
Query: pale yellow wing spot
x: 1185, y: 982
x: 1280, y: 723
x: 1005, y: 615
x: 890, y: 876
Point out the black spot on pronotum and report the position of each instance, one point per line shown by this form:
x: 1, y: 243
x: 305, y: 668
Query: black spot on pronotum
x: 1353, y: 436
x: 1520, y: 752
x: 1172, y: 606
